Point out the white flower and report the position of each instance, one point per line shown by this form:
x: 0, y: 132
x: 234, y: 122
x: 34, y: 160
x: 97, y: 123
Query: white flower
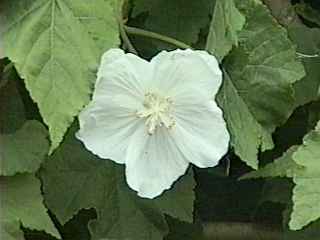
x: 156, y: 117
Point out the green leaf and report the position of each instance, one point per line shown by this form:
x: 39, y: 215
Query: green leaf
x: 12, y: 112
x: 55, y: 46
x: 310, y: 232
x: 308, y: 43
x: 306, y: 194
x: 24, y: 150
x: 314, y: 113
x: 259, y: 95
x: 302, y: 164
x: 21, y: 202
x: 281, y: 167
x: 1, y: 49
x: 283, y: 11
x: 309, y: 13
x: 277, y: 190
x: 179, y: 19
x: 81, y: 180
x: 19, y: 154
x: 10, y: 230
x: 226, y: 22
x: 178, y: 202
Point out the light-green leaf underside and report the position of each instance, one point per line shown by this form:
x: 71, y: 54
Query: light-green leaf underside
x: 306, y: 194
x: 302, y: 164
x: 257, y: 94
x: 55, y: 46
x: 21, y: 203
x: 81, y: 180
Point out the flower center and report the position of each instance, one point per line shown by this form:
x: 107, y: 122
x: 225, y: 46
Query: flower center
x: 157, y: 112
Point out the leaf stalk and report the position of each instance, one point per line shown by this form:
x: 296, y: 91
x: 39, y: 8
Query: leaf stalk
x: 123, y: 33
x: 157, y: 36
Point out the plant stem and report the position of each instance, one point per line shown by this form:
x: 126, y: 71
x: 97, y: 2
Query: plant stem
x: 157, y: 36
x: 123, y: 33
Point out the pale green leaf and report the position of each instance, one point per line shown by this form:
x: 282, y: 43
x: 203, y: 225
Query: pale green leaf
x: 308, y: 233
x: 21, y: 202
x: 55, y: 46
x: 226, y: 23
x: 10, y: 230
x: 24, y: 150
x: 81, y: 180
x: 302, y: 164
x: 259, y: 95
x: 176, y: 18
x: 284, y: 166
x: 306, y: 194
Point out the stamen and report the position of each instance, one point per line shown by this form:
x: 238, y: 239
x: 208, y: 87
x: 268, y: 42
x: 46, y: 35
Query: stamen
x: 157, y: 112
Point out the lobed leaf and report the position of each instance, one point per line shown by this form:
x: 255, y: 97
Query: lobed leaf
x: 281, y: 167
x: 308, y: 46
x: 21, y: 202
x: 24, y: 150
x: 55, y: 46
x: 306, y: 194
x: 258, y: 95
x: 302, y: 164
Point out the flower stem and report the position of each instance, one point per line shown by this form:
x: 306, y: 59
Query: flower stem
x: 157, y: 36
x: 123, y: 33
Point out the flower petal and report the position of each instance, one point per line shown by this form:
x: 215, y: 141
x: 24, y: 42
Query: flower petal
x: 201, y: 133
x: 106, y: 127
x: 181, y: 71
x: 153, y: 163
x: 109, y: 121
x: 122, y: 74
